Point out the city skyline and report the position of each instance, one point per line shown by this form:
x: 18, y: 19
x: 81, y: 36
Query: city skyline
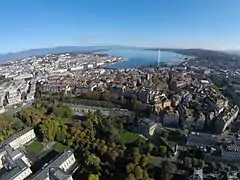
x: 168, y: 24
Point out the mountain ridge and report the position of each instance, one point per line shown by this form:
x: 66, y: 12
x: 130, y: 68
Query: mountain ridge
x: 84, y: 49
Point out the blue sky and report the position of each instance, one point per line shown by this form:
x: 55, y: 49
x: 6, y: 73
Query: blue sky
x: 27, y: 24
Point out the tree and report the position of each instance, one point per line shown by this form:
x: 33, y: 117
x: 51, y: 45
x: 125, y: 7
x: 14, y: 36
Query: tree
x: 93, y: 160
x: 145, y: 160
x: 138, y: 172
x: 168, y: 169
x: 31, y: 116
x: 220, y: 165
x: 49, y: 129
x: 136, y: 158
x: 130, y: 168
x: 103, y: 149
x: 4, y: 123
x: 1, y: 137
x: 163, y: 149
x: 194, y: 162
x: 200, y: 164
x: 188, y: 162
x: 69, y: 142
x: 130, y: 177
x: 93, y: 177
x: 62, y: 134
x: 150, y: 147
x: 18, y: 124
x: 213, y: 165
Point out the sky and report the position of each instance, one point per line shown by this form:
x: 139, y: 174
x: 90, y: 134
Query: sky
x: 209, y: 24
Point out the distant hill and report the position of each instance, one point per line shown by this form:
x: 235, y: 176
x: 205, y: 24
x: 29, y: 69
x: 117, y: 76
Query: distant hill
x: 54, y: 50
x: 236, y: 52
x: 201, y: 53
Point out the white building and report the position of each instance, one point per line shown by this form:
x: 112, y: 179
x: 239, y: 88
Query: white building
x: 58, y: 71
x: 23, y: 76
x: 90, y: 66
x: 57, y: 168
x: 22, y: 139
x: 15, y: 162
x: 77, y: 68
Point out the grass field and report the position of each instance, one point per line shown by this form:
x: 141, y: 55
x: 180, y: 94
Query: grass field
x: 37, y: 151
x: 59, y: 147
x: 128, y: 137
x: 34, y: 148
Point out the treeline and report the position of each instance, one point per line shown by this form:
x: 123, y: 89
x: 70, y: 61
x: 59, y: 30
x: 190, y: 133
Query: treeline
x: 89, y: 102
x: 104, y: 99
x: 9, y: 124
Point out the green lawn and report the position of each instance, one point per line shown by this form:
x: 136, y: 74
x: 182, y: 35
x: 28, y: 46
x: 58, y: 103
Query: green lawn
x: 59, y: 147
x: 34, y: 148
x: 128, y: 137
x: 43, y: 153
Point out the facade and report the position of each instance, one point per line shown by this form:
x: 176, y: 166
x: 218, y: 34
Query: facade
x: 222, y: 122
x: 159, y: 106
x: 13, y: 96
x: 16, y: 164
x: 13, y: 160
x: 57, y: 168
x: 23, y: 76
x: 146, y: 127
x: 22, y: 139
x: 145, y: 95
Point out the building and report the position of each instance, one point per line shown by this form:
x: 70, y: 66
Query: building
x: 178, y: 84
x: 161, y: 105
x: 197, y: 175
x: 201, y: 140
x: 236, y: 139
x: 58, y: 168
x: 146, y: 127
x: 119, y: 90
x: 13, y: 96
x: 171, y: 119
x: 19, y: 139
x: 16, y: 165
x: 231, y: 153
x: 77, y: 68
x: 224, y: 120
x: 145, y: 95
x: 23, y: 76
x: 13, y: 162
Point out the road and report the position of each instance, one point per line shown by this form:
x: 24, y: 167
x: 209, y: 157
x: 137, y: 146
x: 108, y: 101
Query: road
x: 26, y: 104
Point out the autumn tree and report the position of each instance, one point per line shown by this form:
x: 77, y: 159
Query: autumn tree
x: 93, y: 177
x: 49, y: 129
x: 93, y: 160
x: 168, y: 169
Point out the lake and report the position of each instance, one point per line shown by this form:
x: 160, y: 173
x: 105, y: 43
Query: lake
x: 138, y: 57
